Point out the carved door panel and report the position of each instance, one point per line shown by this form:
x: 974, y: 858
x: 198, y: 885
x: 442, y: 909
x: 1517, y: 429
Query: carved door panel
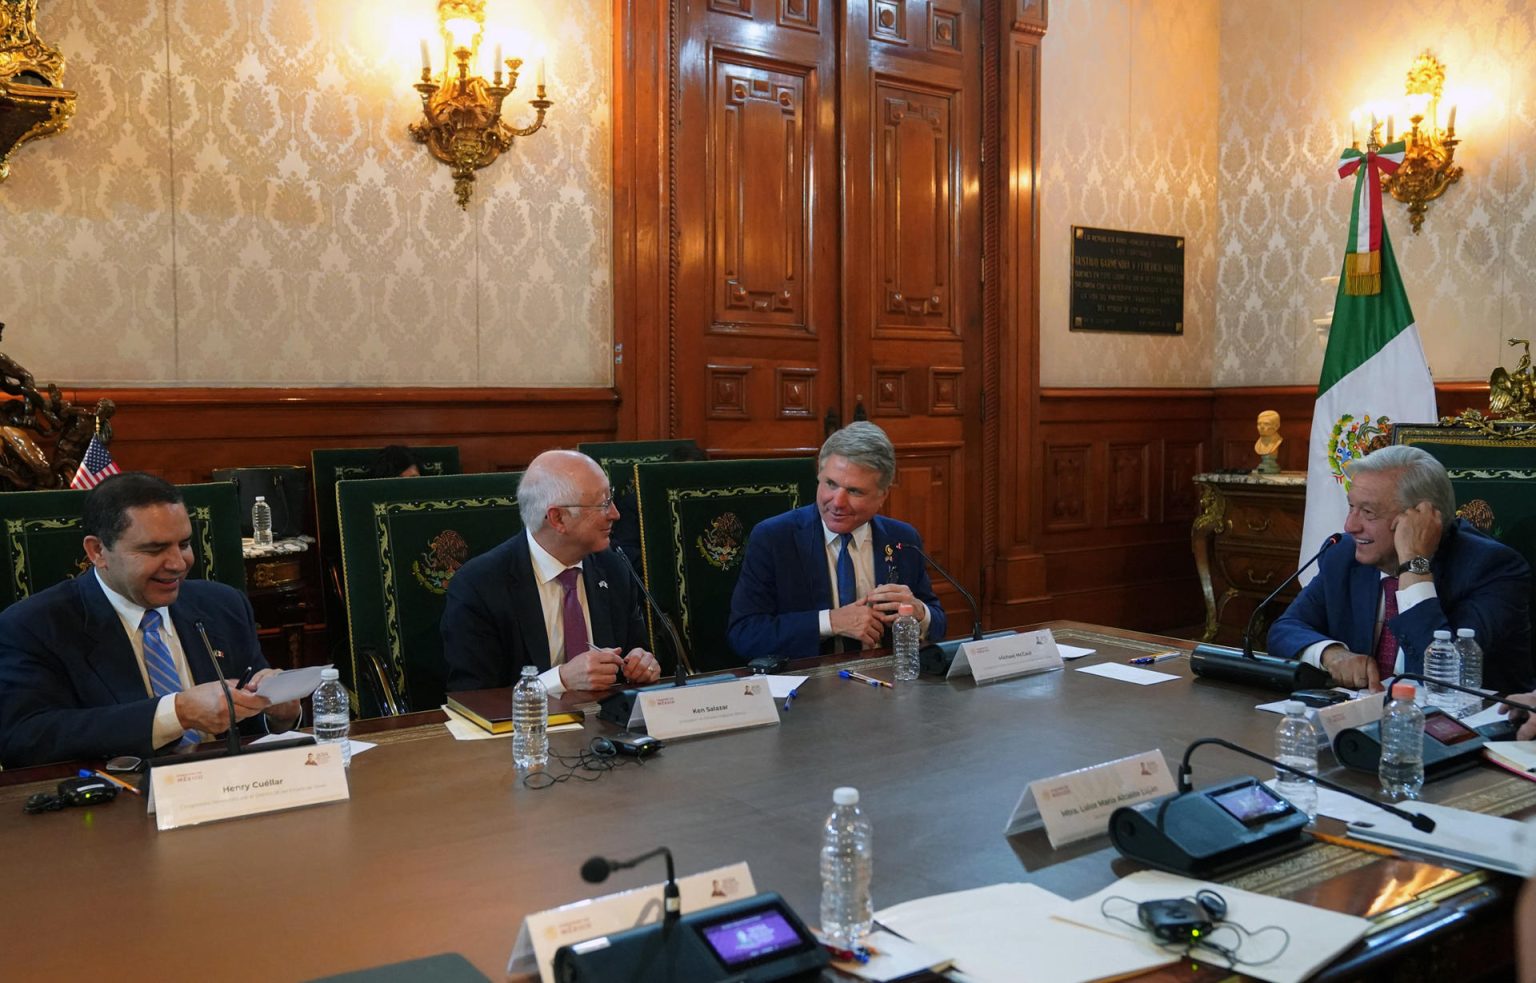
x: 911, y: 132
x: 756, y: 199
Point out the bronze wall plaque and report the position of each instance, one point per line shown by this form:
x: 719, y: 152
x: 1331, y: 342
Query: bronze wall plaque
x: 1127, y: 281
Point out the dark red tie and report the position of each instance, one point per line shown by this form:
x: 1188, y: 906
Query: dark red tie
x: 1386, y: 648
x: 572, y: 623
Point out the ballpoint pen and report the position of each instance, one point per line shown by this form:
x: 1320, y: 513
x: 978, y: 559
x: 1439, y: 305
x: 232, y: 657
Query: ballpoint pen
x: 790, y: 698
x: 871, y: 680
x: 1152, y: 660
x: 88, y: 773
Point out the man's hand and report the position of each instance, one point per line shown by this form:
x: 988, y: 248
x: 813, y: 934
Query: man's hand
x: 203, y: 708
x: 1527, y: 730
x: 858, y: 621
x: 1416, y: 531
x: 1352, y: 669
x: 641, y: 666
x: 887, y: 598
x: 592, y: 669
x: 280, y: 716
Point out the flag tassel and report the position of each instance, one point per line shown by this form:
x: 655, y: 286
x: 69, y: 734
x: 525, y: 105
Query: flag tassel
x: 1362, y: 273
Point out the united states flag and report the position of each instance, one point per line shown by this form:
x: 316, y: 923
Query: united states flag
x: 96, y: 468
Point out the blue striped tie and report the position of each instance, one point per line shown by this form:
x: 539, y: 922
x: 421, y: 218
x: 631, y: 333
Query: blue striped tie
x: 847, y: 588
x: 163, y: 678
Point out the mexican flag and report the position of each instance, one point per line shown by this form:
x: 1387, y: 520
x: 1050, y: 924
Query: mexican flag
x: 1374, y: 371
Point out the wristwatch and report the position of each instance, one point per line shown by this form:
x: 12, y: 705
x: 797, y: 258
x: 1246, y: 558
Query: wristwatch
x: 1419, y: 565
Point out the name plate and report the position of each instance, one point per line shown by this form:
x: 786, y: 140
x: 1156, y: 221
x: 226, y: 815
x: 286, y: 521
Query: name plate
x: 245, y: 785
x: 687, y: 711
x: 1351, y: 713
x: 544, y: 932
x: 1076, y: 805
x: 1007, y: 656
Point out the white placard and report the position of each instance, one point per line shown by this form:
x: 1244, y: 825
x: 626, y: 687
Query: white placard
x: 1351, y: 713
x: 544, y: 932
x: 186, y: 794
x: 1076, y: 805
x: 1007, y: 656
x: 687, y: 711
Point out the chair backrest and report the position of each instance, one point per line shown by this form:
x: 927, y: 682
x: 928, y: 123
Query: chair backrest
x: 329, y: 465
x: 402, y: 540
x: 41, y: 543
x: 619, y: 457
x: 694, y: 522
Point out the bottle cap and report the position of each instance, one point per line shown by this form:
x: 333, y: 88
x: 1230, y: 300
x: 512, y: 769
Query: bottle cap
x: 1442, y: 635
x: 1402, y: 691
x: 261, y: 498
x: 903, y: 609
x: 1294, y: 707
x: 845, y: 796
x: 1465, y: 633
x: 329, y: 673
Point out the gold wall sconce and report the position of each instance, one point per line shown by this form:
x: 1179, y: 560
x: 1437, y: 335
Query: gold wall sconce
x: 33, y: 102
x: 462, y: 124
x: 1429, y: 162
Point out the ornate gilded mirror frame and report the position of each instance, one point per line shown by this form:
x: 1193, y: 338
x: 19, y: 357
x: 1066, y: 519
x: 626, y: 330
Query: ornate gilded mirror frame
x: 33, y: 102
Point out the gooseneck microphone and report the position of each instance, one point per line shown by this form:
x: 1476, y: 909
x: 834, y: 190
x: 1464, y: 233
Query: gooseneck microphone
x: 597, y: 869
x: 683, y: 663
x: 1258, y: 609
x: 1386, y: 684
x: 232, y: 736
x: 975, y: 608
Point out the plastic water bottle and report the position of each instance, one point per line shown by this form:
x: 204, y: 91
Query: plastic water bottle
x: 261, y: 522
x: 530, y: 721
x: 1442, y: 663
x: 1296, y: 745
x: 1402, y: 745
x: 333, y: 713
x: 1471, y: 660
x: 847, y: 914
x: 904, y: 640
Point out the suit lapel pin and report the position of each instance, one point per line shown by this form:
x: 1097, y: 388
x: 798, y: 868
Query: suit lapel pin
x: 603, y: 584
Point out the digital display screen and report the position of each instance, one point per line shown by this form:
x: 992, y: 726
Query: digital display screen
x: 751, y: 937
x: 1448, y: 730
x: 1251, y: 804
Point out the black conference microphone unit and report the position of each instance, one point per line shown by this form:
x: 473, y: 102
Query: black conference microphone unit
x: 1267, y: 671
x: 232, y: 738
x: 1211, y: 833
x: 683, y: 662
x: 934, y: 659
x: 755, y: 940
x: 1450, y: 746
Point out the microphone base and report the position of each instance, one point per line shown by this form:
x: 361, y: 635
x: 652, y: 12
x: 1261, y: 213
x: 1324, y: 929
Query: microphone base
x: 1264, y: 671
x: 1194, y: 835
x: 935, y: 658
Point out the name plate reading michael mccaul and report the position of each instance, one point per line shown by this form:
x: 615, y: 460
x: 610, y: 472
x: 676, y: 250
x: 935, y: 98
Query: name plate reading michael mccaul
x: 686, y: 711
x: 1076, y: 806
x: 546, y: 931
x: 245, y: 785
x: 1007, y: 656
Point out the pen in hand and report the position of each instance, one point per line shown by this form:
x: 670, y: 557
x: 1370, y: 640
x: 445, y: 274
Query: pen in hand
x: 1152, y: 660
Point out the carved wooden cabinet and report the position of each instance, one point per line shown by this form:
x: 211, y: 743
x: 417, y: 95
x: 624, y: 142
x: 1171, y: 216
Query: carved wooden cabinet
x: 1246, y: 540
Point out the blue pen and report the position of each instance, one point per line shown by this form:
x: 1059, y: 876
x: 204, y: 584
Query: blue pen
x: 790, y: 698
x: 850, y: 674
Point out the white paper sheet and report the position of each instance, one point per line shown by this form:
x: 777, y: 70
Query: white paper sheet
x: 1317, y: 936
x: 781, y: 686
x: 358, y: 747
x: 993, y: 932
x: 1127, y: 674
x: 1469, y: 837
x: 1070, y: 652
x: 464, y: 729
x: 291, y: 684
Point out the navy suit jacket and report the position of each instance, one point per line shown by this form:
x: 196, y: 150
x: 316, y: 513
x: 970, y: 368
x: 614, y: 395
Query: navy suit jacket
x: 784, y: 584
x: 493, y: 623
x: 1479, y: 583
x: 70, y: 685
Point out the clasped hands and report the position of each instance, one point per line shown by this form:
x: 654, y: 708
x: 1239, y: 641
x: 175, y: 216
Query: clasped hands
x: 864, y: 620
x: 598, y: 668
x: 202, y: 707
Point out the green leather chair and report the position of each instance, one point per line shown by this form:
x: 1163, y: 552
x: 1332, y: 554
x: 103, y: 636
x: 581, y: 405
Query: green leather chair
x: 694, y: 522
x: 618, y: 459
x: 42, y: 538
x: 402, y: 540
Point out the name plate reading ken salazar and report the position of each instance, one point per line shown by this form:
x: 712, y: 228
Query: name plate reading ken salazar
x: 1007, y: 656
x: 1076, y: 806
x: 245, y: 785
x: 687, y: 711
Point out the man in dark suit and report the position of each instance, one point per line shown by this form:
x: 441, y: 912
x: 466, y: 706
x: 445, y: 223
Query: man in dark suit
x: 553, y: 596
x: 836, y: 569
x: 1403, y: 571
x: 111, y: 662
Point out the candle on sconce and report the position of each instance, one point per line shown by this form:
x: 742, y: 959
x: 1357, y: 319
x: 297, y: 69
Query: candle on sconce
x: 496, y: 65
x: 426, y: 57
x: 540, y: 79
x: 1450, y: 123
x: 1354, y: 129
x: 1389, y: 129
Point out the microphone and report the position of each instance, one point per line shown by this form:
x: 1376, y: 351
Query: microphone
x: 1258, y: 609
x: 679, y: 677
x: 975, y: 608
x: 597, y: 869
x: 1386, y: 684
x: 232, y: 737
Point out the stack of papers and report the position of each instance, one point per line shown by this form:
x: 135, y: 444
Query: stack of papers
x: 1468, y: 837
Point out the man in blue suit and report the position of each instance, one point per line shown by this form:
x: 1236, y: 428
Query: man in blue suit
x: 1402, y: 572
x: 110, y: 662
x: 836, y: 569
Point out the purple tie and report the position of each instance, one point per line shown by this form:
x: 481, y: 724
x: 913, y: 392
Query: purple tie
x: 572, y: 623
x: 1386, y: 646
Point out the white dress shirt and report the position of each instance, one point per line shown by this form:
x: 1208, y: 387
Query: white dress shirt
x: 552, y: 597
x: 862, y: 549
x: 167, y: 726
x: 1418, y: 593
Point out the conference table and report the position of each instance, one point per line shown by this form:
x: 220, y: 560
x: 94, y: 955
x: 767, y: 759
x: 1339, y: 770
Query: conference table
x: 441, y: 847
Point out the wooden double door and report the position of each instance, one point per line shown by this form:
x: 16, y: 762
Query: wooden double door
x: 825, y: 241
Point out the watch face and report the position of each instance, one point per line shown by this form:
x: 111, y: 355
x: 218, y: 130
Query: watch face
x: 1419, y: 564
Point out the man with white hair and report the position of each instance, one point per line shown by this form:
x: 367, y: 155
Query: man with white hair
x: 553, y: 596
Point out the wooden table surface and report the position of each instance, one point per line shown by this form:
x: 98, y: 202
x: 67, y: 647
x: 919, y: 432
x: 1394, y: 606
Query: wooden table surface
x: 441, y: 848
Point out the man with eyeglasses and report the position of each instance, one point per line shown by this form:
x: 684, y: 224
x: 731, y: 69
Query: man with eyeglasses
x: 553, y: 596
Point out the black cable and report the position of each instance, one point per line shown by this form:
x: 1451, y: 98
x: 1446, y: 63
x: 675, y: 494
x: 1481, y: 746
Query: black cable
x: 1188, y: 946
x: 585, y: 765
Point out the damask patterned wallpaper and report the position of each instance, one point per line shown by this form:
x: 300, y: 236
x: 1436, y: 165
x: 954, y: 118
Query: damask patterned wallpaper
x: 237, y: 202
